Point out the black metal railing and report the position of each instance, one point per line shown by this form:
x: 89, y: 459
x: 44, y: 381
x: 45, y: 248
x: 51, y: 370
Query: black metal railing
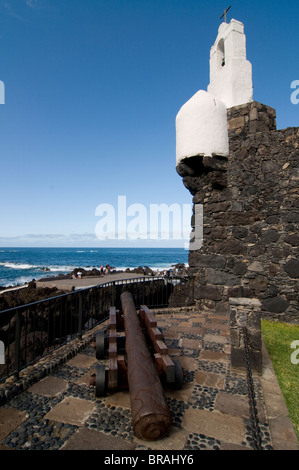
x: 29, y: 332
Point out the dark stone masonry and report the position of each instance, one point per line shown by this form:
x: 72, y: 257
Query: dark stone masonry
x: 250, y: 216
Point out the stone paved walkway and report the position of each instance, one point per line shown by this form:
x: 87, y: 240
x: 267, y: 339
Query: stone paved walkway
x: 211, y: 411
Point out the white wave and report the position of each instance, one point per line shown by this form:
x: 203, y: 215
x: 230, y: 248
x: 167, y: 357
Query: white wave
x: 18, y: 265
x: 25, y: 266
x: 22, y: 280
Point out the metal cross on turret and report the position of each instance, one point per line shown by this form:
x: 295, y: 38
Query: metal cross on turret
x: 224, y: 14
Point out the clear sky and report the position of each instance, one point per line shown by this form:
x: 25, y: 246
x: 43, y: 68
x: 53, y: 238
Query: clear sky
x: 92, y: 89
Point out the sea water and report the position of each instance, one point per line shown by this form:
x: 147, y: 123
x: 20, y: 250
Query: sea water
x: 21, y: 265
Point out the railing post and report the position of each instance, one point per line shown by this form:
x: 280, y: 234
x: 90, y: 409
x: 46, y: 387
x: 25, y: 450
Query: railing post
x: 17, y: 343
x: 113, y: 293
x: 143, y: 291
x: 80, y: 317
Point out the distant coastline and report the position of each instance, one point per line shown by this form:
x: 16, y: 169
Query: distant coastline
x: 179, y: 269
x: 47, y: 287
x: 19, y: 266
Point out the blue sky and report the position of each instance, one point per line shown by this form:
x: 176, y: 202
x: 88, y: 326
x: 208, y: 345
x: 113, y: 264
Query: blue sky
x: 92, y: 89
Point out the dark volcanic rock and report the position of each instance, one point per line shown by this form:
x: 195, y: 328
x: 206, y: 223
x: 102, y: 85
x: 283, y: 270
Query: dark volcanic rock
x: 26, y: 295
x: 292, y: 268
x: 276, y: 304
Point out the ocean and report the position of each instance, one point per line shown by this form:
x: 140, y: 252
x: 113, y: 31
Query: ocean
x: 21, y: 265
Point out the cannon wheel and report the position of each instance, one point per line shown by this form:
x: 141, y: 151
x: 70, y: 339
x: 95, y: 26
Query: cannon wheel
x: 101, y: 381
x: 100, y: 345
x: 179, y: 376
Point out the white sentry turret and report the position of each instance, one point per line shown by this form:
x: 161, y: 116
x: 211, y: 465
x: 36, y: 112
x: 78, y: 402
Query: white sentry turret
x: 201, y: 123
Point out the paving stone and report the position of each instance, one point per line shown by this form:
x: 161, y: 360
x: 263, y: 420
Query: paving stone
x: 87, y: 439
x: 82, y: 361
x: 215, y: 339
x: 188, y: 362
x: 209, y: 379
x: 10, y: 419
x: 189, y: 328
x: 189, y: 343
x: 116, y: 399
x: 212, y: 355
x: 49, y: 386
x: 237, y: 406
x: 213, y: 424
x: 71, y: 410
x: 282, y: 431
x: 183, y: 316
x: 173, y: 334
x: 276, y: 405
x: 217, y: 319
x: 182, y: 394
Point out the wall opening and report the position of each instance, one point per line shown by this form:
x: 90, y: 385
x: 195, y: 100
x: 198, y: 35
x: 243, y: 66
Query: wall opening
x: 221, y: 52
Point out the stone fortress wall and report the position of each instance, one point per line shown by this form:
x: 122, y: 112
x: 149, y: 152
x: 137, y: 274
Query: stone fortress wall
x: 244, y: 174
x: 250, y: 216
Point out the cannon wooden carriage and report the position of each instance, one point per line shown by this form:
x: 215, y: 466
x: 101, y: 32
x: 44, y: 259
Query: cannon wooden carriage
x: 112, y: 344
x: 138, y: 361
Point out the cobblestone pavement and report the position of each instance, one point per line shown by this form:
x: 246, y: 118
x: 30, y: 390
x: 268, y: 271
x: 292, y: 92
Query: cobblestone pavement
x: 61, y: 412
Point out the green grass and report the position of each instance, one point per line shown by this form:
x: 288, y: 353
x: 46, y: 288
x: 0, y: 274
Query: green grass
x: 278, y: 338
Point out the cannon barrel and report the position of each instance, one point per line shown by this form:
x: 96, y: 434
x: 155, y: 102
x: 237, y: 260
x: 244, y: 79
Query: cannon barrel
x: 150, y: 413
